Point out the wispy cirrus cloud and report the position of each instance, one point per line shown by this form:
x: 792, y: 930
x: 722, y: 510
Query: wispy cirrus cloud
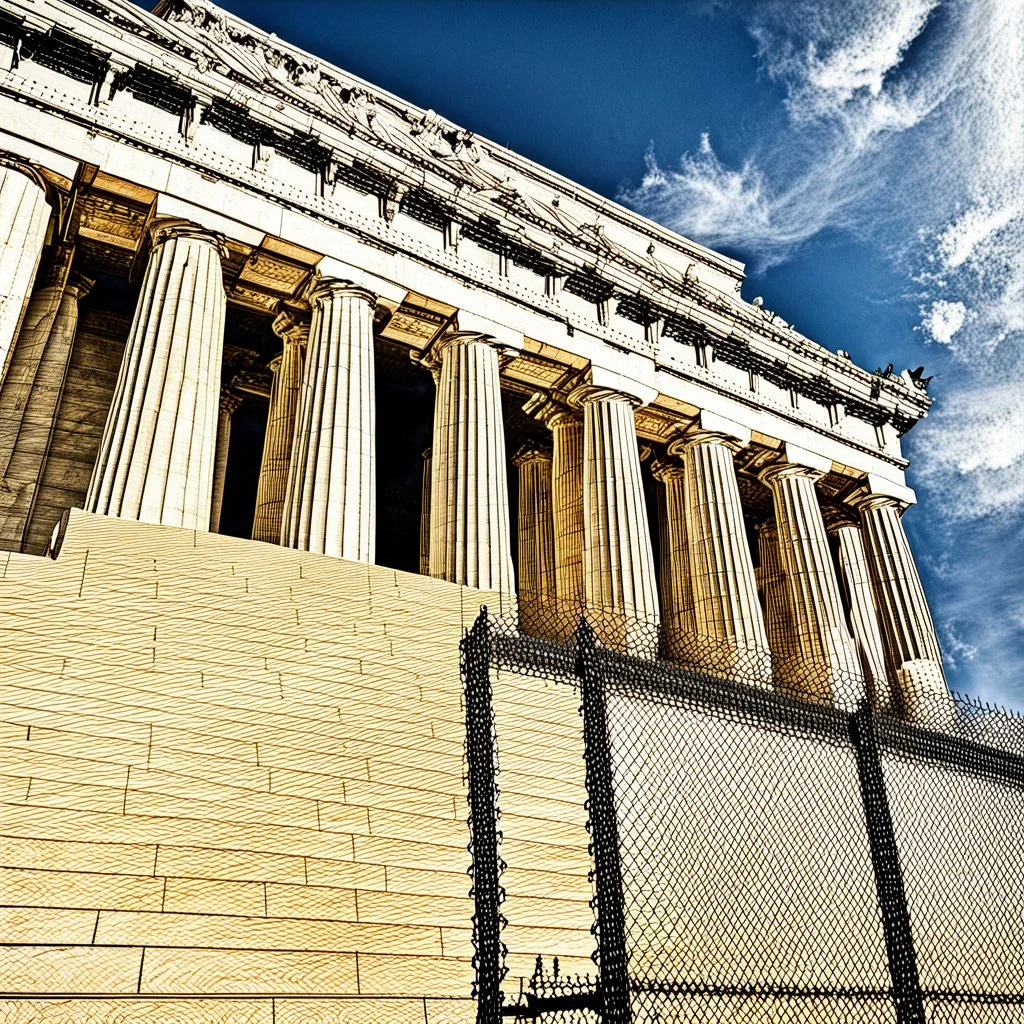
x: 903, y: 123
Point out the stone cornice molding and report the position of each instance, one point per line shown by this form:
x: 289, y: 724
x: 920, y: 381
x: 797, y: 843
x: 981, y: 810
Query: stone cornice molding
x: 222, y: 44
x: 216, y: 54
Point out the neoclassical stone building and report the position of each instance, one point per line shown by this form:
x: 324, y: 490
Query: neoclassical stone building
x: 246, y: 293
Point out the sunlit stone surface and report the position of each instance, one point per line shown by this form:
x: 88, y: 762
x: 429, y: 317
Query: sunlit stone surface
x: 242, y: 291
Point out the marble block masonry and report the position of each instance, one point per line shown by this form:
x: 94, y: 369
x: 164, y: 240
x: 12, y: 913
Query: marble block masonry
x: 318, y: 372
x: 233, y: 175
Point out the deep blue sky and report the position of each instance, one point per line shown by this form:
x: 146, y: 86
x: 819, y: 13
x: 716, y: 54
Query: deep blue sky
x: 584, y: 87
x: 844, y: 128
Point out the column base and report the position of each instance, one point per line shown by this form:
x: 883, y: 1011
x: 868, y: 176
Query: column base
x: 538, y: 619
x: 626, y: 633
x: 923, y: 696
x: 833, y: 676
x: 723, y: 658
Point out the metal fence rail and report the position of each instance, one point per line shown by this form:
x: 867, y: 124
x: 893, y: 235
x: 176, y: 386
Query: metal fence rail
x: 763, y: 857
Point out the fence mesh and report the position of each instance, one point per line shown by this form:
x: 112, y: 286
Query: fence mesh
x: 769, y: 846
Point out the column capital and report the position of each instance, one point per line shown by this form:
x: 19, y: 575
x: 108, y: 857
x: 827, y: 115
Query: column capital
x: 550, y: 409
x: 532, y: 451
x: 16, y: 163
x: 433, y: 354
x: 866, y: 502
x: 838, y: 518
x: 79, y: 286
x: 291, y: 326
x: 672, y: 467
x: 588, y: 394
x: 685, y: 443
x: 330, y: 287
x: 230, y: 401
x: 163, y: 230
x: 770, y: 475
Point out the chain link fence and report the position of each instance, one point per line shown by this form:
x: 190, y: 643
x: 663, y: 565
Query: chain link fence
x: 764, y: 851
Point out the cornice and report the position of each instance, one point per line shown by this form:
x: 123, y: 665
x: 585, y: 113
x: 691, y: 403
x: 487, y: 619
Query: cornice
x: 218, y: 56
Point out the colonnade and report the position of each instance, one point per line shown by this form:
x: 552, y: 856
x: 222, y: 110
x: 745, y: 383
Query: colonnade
x: 834, y: 628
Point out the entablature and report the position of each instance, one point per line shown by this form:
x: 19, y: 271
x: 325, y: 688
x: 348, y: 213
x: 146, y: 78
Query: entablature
x: 209, y: 67
x: 689, y: 331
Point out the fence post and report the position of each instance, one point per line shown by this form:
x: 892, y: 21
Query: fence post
x: 486, y: 865
x: 611, y: 923
x: 892, y: 897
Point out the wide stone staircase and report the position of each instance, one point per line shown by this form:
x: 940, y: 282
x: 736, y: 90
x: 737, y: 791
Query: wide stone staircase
x: 232, y: 789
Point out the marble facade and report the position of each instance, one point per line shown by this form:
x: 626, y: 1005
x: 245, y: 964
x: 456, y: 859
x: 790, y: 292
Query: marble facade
x: 317, y: 373
x: 224, y: 170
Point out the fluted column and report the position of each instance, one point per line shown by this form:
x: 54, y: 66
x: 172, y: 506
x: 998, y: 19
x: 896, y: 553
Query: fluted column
x: 24, y: 217
x: 827, y: 666
x: 903, y: 614
x: 157, y: 451
x: 31, y: 393
x: 567, y: 515
x: 728, y: 623
x: 469, y: 514
x: 425, y: 512
x: 676, y: 591
x: 867, y: 636
x: 665, y: 594
x: 777, y: 613
x: 285, y: 387
x: 536, y: 542
x: 618, y: 563
x: 330, y: 506
x: 229, y: 403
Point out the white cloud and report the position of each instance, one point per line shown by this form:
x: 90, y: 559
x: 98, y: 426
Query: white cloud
x: 903, y: 125
x: 942, y: 319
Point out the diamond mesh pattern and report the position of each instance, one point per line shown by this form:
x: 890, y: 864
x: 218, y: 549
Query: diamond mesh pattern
x: 763, y: 855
